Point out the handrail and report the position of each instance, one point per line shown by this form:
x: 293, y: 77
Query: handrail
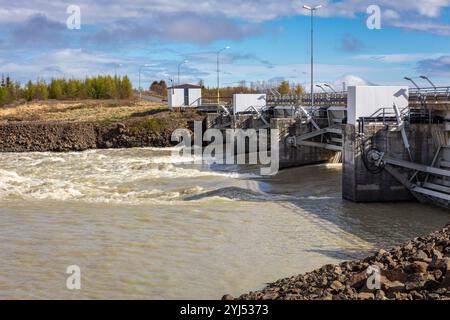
x: 199, y: 101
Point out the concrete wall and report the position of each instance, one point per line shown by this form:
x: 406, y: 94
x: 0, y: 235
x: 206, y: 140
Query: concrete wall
x: 301, y: 155
x: 359, y: 185
x: 289, y: 156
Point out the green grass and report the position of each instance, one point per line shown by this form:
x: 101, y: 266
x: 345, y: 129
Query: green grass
x: 154, y: 125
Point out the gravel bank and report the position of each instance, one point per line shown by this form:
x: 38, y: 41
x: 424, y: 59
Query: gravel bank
x: 418, y: 270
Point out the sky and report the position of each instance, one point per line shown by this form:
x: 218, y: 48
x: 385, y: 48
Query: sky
x: 269, y: 40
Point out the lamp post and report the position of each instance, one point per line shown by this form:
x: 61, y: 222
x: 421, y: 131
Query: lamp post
x: 413, y: 82
x: 429, y: 81
x: 179, y: 66
x: 117, y: 65
x: 320, y: 86
x: 330, y: 86
x: 312, y: 10
x: 140, y: 69
x: 218, y: 72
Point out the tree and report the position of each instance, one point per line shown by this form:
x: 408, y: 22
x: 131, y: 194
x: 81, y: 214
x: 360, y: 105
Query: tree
x: 41, y: 91
x: 284, y: 88
x: 72, y: 89
x: 56, y: 89
x: 299, y: 90
x: 3, y: 95
x: 159, y: 88
x: 29, y: 91
x: 126, y: 88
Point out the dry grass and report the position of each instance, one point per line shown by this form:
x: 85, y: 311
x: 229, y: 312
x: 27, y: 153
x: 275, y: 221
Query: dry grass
x: 81, y: 111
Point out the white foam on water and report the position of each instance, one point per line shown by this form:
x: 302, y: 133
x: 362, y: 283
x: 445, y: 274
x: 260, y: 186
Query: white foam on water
x: 108, y: 176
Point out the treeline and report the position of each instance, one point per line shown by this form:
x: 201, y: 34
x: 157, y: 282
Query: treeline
x: 159, y: 88
x: 226, y: 92
x: 9, y: 90
x: 100, y: 87
x: 284, y: 88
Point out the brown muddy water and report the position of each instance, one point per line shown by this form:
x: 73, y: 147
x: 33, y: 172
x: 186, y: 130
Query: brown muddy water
x: 143, y: 224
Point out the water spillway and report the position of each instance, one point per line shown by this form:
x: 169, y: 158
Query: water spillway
x: 409, y: 128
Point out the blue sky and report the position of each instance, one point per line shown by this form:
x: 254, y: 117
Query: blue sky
x: 269, y: 40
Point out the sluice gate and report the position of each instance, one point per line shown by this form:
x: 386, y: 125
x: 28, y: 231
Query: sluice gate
x: 393, y: 141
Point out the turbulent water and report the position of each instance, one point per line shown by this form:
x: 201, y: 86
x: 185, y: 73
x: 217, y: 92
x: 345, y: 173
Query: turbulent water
x: 142, y: 223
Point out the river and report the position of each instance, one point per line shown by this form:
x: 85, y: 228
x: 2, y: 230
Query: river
x: 144, y: 224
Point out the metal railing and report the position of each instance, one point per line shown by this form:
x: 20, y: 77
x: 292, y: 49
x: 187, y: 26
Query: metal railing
x: 320, y: 99
x: 434, y: 95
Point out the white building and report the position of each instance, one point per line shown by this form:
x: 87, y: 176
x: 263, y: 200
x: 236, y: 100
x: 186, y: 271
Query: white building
x: 242, y: 102
x: 184, y: 96
x: 369, y: 101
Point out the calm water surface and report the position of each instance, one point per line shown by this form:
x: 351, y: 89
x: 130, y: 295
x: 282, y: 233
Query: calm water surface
x: 142, y: 223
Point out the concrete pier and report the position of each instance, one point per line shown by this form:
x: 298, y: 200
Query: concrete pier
x: 290, y: 156
x: 359, y: 184
x: 295, y: 156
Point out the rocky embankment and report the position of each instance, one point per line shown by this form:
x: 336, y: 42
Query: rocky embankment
x: 419, y: 270
x: 32, y: 136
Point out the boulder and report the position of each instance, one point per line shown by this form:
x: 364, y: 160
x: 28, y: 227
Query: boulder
x: 417, y: 267
x: 366, y: 296
x: 336, y: 285
x: 358, y: 280
x: 421, y: 256
x: 392, y: 286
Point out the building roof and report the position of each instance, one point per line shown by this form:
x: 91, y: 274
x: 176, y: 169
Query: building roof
x: 186, y: 86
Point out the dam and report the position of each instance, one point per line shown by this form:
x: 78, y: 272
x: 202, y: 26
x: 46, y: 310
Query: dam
x: 393, y: 141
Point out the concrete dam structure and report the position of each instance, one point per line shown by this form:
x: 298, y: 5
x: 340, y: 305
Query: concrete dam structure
x: 393, y: 141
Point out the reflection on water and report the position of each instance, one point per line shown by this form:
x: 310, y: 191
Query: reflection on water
x: 143, y: 224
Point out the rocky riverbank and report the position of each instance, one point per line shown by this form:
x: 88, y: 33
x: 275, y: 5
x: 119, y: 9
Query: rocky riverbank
x: 418, y: 270
x: 89, y: 124
x: 30, y: 136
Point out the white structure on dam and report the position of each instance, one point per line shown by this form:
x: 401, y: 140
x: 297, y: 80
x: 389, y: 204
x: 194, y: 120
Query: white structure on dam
x: 184, y: 96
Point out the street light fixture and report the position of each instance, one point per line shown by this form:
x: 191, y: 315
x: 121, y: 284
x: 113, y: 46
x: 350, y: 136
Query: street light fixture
x: 172, y: 91
x: 140, y: 69
x: 312, y: 10
x: 413, y: 82
x: 330, y: 86
x: 179, y: 66
x: 116, y: 66
x: 320, y: 86
x: 429, y: 81
x: 218, y: 72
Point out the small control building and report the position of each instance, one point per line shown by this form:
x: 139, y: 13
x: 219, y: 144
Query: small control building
x: 184, y: 96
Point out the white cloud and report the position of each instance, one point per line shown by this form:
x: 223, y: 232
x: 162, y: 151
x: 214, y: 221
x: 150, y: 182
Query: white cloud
x: 80, y: 63
x: 435, y: 67
x: 398, y: 57
x: 338, y: 84
x: 435, y: 28
x: 251, y: 10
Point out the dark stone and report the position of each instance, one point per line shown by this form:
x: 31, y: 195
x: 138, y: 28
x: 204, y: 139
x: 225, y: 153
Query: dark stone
x: 421, y: 255
x: 407, y: 273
